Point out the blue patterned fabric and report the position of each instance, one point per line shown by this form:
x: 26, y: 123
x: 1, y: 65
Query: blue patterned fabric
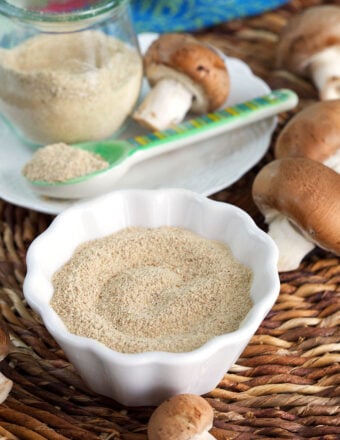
x: 189, y: 15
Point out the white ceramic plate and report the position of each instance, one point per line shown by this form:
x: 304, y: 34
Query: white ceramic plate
x: 205, y: 167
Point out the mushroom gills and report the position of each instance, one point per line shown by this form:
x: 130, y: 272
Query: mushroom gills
x: 292, y: 245
x: 325, y: 70
x: 167, y: 104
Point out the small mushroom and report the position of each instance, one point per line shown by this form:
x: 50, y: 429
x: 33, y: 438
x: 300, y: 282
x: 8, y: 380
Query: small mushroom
x: 184, y: 74
x: 182, y: 417
x: 300, y: 200
x: 310, y: 45
x: 314, y: 133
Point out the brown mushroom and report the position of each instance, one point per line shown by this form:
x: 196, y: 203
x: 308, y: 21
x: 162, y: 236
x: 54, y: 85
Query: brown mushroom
x: 310, y: 45
x: 314, y: 133
x: 182, y: 417
x: 300, y: 200
x: 184, y: 74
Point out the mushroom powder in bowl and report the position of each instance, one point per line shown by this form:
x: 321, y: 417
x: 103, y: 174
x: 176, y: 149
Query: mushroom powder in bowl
x: 162, y: 223
x: 159, y: 289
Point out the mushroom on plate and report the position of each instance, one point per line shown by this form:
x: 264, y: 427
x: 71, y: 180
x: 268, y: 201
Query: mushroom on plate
x: 314, y: 133
x: 310, y: 45
x: 300, y: 200
x: 183, y: 74
x: 182, y: 417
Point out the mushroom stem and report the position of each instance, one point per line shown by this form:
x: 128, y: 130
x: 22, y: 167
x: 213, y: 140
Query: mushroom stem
x: 292, y: 245
x: 333, y: 161
x: 203, y: 436
x: 167, y: 104
x: 325, y: 70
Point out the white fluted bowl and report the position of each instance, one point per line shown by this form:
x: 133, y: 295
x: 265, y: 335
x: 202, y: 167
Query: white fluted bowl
x: 149, y: 378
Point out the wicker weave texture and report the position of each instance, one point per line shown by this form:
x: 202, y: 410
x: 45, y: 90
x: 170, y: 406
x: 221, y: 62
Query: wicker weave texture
x: 286, y: 384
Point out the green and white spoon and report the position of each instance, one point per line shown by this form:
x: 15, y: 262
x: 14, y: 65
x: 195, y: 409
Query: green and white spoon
x: 122, y: 154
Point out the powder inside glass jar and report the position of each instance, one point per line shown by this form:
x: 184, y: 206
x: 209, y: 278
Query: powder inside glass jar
x: 69, y: 87
x: 162, y: 289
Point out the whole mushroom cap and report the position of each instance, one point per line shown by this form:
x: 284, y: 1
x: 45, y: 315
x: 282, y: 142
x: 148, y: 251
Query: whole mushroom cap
x: 307, y: 193
x: 185, y: 54
x: 306, y: 34
x: 182, y: 417
x: 314, y: 132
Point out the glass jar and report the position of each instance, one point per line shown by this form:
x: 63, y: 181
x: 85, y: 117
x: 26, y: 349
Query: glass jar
x: 70, y: 70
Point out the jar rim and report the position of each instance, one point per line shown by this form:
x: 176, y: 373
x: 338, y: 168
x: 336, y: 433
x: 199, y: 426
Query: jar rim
x: 101, y: 7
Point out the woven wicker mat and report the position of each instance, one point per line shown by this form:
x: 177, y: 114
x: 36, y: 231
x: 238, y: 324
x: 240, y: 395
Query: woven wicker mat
x: 285, y: 384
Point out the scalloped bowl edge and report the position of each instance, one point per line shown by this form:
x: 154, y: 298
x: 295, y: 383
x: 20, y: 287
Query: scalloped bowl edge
x: 149, y: 378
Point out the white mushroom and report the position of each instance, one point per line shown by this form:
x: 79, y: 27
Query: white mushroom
x: 314, y: 133
x: 182, y: 417
x: 184, y: 74
x: 310, y: 45
x: 300, y: 199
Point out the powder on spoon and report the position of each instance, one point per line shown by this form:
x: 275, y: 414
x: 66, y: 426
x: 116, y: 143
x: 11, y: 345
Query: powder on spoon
x: 60, y: 162
x: 143, y: 289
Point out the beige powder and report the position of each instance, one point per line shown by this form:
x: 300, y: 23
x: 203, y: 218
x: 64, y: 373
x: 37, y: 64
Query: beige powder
x: 156, y: 289
x: 69, y: 87
x: 60, y: 162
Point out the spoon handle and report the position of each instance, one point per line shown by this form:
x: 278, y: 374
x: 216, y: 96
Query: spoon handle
x: 215, y: 123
